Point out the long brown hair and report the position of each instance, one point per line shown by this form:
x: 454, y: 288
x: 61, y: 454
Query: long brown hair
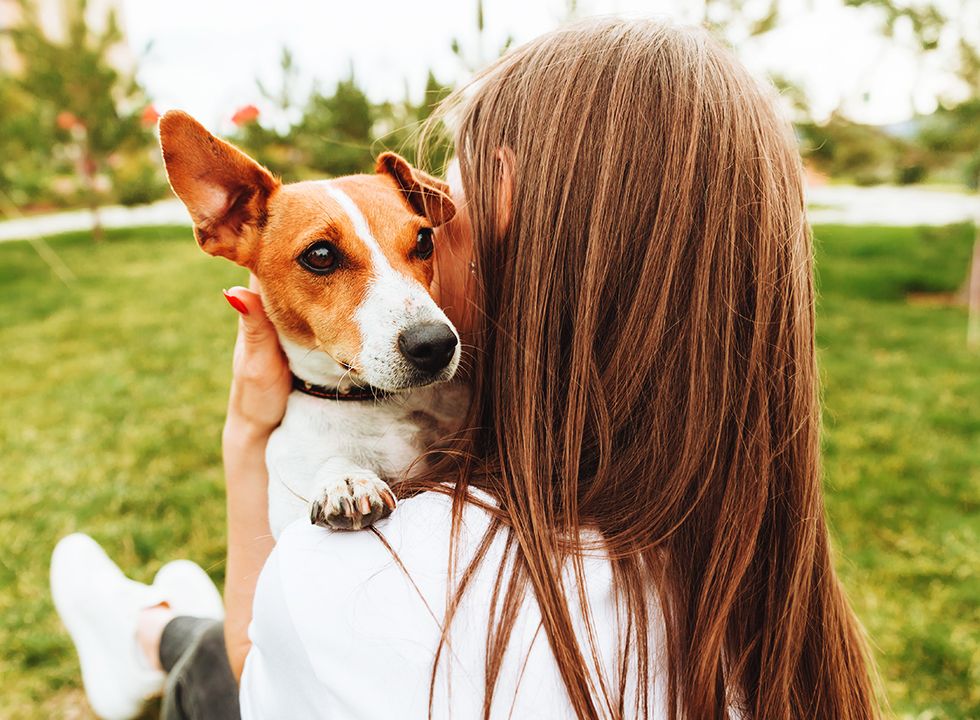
x: 645, y: 367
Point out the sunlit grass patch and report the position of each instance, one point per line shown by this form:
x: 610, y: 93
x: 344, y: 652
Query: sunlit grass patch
x: 113, y: 394
x: 902, y: 456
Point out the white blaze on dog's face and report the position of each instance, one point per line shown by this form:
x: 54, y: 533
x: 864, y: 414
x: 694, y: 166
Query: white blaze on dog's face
x: 345, y: 264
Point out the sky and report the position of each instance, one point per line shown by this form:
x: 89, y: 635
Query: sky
x: 203, y: 56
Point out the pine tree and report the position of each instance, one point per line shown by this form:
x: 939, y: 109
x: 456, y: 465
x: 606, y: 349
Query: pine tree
x: 95, y: 106
x: 24, y: 147
x: 336, y: 131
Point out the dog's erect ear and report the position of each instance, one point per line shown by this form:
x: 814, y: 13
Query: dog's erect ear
x: 225, y: 190
x: 428, y: 196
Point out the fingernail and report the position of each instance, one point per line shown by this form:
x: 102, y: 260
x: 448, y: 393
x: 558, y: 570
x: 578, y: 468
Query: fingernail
x: 235, y: 303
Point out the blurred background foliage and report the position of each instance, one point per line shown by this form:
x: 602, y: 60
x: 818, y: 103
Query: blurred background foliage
x: 77, y: 129
x: 75, y: 116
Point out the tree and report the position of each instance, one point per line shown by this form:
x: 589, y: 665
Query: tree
x: 24, y: 147
x: 951, y: 134
x: 283, y: 95
x: 954, y: 131
x: 336, y: 131
x: 268, y: 136
x: 439, y: 149
x: 94, y: 106
x: 334, y: 134
x: 862, y: 154
x: 734, y: 22
x: 399, y: 126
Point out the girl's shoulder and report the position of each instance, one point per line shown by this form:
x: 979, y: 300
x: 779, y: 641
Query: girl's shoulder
x: 348, y: 623
x: 336, y: 610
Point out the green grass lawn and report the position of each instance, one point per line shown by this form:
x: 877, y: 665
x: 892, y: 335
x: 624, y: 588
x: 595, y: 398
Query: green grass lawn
x: 113, y: 391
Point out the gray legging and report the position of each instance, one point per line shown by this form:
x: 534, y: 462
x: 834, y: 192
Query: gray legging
x: 200, y: 684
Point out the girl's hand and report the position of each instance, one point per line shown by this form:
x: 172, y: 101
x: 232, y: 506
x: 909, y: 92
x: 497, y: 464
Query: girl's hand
x: 261, y: 381
x: 259, y: 389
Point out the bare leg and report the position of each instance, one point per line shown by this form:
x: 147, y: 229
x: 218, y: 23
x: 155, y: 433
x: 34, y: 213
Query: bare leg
x: 149, y: 630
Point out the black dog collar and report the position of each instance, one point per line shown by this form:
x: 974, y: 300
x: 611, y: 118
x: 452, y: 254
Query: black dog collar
x: 329, y: 393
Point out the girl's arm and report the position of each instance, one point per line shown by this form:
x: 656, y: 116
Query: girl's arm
x: 259, y: 389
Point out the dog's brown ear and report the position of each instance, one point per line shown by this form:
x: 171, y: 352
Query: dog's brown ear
x: 427, y: 196
x: 225, y: 190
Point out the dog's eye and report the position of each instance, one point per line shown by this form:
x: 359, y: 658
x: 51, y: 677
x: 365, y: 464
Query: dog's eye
x: 320, y: 257
x: 423, y: 244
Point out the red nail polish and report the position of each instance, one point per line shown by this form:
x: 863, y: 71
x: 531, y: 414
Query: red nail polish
x: 236, y: 303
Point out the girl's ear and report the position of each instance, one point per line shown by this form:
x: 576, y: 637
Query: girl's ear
x: 225, y: 191
x: 427, y: 196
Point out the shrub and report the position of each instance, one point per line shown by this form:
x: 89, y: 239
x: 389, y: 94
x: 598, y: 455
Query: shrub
x: 138, y: 181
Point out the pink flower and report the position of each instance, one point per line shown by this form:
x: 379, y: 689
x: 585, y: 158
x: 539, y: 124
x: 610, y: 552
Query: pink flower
x: 245, y: 115
x: 150, y: 116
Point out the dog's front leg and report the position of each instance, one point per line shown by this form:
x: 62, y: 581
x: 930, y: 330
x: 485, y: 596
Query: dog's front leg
x: 349, y: 497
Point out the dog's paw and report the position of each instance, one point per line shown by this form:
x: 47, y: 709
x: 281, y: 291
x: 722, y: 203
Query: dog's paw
x: 353, y: 503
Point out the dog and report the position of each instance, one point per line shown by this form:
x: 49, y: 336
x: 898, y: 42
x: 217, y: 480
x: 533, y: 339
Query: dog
x: 346, y: 269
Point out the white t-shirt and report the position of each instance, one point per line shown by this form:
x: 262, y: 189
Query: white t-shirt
x: 339, y: 631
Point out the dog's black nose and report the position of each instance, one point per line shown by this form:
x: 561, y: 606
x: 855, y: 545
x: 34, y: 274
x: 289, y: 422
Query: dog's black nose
x: 428, y: 346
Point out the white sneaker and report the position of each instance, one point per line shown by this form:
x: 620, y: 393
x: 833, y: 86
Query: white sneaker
x: 188, y: 590
x: 100, y: 606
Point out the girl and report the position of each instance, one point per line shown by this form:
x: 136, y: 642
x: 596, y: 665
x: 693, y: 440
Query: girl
x: 630, y: 522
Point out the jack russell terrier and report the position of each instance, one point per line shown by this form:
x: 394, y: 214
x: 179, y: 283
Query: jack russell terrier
x: 345, y: 267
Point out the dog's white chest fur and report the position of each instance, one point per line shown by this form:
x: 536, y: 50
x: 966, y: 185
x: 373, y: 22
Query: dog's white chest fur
x: 326, y: 450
